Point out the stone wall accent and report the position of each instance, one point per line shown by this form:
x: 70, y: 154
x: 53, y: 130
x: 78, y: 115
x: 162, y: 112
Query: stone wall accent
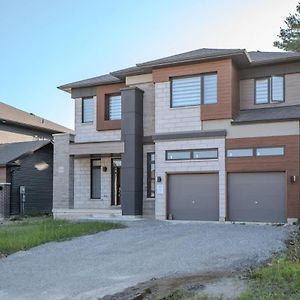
x: 82, y: 184
x: 163, y: 167
x: 4, y: 200
x: 87, y: 132
x: 63, y: 172
x: 176, y: 119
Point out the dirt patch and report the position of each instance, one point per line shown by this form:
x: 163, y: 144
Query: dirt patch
x: 215, y: 285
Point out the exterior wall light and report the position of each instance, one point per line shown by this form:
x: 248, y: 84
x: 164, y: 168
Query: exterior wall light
x: 293, y: 179
x: 104, y: 169
x: 158, y: 179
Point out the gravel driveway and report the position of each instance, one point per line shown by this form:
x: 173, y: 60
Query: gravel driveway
x: 105, y: 263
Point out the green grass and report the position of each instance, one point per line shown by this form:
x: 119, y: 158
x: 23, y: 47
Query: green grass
x: 280, y: 279
x: 32, y: 232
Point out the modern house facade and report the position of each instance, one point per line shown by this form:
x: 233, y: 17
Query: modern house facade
x: 26, y: 162
x: 211, y: 134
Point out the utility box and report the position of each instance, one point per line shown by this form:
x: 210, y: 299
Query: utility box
x: 4, y: 200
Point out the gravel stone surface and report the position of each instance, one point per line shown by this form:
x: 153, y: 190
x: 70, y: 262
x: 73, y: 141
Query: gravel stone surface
x: 93, y: 266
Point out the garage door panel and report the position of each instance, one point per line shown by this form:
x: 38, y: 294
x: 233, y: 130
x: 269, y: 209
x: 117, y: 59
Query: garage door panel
x: 194, y: 196
x: 257, y: 197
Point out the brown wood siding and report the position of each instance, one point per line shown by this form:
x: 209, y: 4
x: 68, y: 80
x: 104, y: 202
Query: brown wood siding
x: 235, y: 91
x: 288, y: 163
x: 224, y: 68
x: 3, y: 176
x: 102, y: 92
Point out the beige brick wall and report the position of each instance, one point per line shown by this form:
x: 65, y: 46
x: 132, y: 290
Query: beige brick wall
x: 163, y: 167
x: 86, y: 132
x: 82, y: 184
x: 292, y: 90
x: 148, y: 203
x: 173, y: 119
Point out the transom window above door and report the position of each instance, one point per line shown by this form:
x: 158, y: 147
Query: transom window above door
x: 194, y: 90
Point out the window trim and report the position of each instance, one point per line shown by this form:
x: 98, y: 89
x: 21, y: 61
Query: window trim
x: 106, y: 113
x: 270, y: 90
x: 91, y: 178
x: 201, y: 102
x: 82, y: 110
x: 191, y: 154
x: 149, y: 178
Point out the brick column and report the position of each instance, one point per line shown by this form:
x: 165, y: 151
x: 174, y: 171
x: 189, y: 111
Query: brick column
x: 4, y: 200
x: 63, y: 173
x: 132, y: 158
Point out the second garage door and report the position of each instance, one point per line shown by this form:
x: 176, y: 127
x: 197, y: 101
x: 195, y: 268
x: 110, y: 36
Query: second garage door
x: 257, y: 197
x: 193, y: 197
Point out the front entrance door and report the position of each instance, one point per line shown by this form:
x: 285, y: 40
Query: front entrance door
x: 116, y: 182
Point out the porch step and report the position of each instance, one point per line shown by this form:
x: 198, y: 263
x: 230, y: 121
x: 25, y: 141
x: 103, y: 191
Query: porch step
x: 75, y: 214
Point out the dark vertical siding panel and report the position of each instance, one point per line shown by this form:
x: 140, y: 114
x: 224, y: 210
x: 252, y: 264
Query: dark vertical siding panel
x: 39, y: 186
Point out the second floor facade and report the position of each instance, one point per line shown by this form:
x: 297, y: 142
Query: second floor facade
x: 202, y: 90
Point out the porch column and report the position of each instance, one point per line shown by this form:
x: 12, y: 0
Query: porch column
x: 4, y: 200
x: 132, y: 158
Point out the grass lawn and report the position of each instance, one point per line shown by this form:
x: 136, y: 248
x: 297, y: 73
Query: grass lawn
x: 280, y: 279
x: 31, y: 232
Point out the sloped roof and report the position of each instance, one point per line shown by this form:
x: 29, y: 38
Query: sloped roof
x: 241, y: 57
x: 13, y: 151
x: 11, y: 114
x: 99, y: 80
x: 268, y: 114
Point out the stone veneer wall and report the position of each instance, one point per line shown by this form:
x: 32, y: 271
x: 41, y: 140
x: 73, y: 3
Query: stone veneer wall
x: 87, y: 132
x: 4, y: 200
x: 163, y: 167
x: 82, y: 184
x: 177, y: 119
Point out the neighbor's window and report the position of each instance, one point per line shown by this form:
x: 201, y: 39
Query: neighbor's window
x: 194, y: 90
x: 151, y: 175
x: 114, y: 107
x: 95, y: 178
x: 270, y: 151
x: 269, y: 90
x: 192, y: 154
x: 239, y: 152
x: 87, y: 110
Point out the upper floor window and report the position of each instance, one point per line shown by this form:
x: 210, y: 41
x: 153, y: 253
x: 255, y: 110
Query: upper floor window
x: 194, y: 90
x: 192, y: 154
x: 114, y: 107
x: 269, y: 89
x: 87, y: 110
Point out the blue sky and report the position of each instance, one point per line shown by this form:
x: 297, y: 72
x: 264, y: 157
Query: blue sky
x: 44, y: 44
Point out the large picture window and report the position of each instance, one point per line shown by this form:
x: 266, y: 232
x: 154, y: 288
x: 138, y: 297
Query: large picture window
x: 194, y: 90
x: 87, y: 110
x: 151, y: 175
x: 95, y: 178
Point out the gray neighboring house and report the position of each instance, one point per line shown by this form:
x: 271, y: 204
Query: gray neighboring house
x: 210, y: 134
x: 26, y: 160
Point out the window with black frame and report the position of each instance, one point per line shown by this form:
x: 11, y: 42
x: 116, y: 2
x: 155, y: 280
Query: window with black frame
x: 87, y: 110
x: 95, y: 178
x: 151, y: 175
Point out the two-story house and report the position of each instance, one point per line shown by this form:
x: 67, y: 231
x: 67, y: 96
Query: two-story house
x: 211, y: 134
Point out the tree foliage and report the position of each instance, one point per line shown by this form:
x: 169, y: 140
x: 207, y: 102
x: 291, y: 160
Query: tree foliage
x: 290, y: 36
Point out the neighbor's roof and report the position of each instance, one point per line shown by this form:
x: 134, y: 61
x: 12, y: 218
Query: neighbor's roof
x: 270, y: 114
x: 13, y: 151
x: 14, y: 115
x: 241, y: 57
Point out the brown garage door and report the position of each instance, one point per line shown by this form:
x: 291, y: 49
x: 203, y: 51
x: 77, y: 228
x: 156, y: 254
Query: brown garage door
x: 257, y: 197
x: 193, y: 197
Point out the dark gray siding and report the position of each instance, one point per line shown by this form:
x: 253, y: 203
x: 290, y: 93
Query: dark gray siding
x: 36, y: 173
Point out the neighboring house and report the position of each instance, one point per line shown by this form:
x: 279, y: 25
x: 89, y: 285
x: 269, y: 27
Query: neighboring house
x: 211, y: 134
x: 28, y: 164
x: 19, y: 126
x: 26, y: 160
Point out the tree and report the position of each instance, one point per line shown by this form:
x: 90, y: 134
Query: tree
x: 290, y: 36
